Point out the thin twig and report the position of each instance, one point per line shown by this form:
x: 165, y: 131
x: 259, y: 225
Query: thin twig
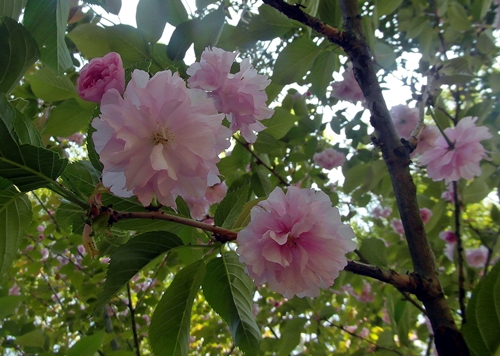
x: 261, y: 162
x: 377, y: 346
x: 460, y: 249
x: 44, y: 207
x: 132, y: 317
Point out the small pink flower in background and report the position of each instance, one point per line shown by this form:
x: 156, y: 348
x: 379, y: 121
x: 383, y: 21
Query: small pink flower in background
x: 45, y: 254
x: 366, y: 295
x: 76, y: 138
x: 397, y: 225
x: 449, y: 195
x: 477, y: 257
x: 348, y: 89
x: 448, y: 236
x: 449, y: 251
x: 405, y: 119
x: 161, y: 139
x: 295, y: 242
x: 364, y: 333
x: 426, y: 140
x: 99, y: 76
x: 380, y: 213
x: 14, y: 290
x: 105, y: 260
x: 240, y: 96
x: 329, y: 158
x: 351, y: 328
x: 40, y: 228
x: 385, y: 316
x: 216, y: 193
x: 461, y: 161
x: 198, y: 207
x: 426, y: 215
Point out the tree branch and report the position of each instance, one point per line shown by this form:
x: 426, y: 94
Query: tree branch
x: 449, y: 341
x: 221, y: 234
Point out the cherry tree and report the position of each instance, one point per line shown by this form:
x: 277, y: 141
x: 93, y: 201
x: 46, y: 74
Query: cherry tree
x: 262, y: 198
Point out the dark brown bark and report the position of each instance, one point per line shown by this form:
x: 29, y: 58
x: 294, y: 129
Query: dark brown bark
x: 448, y: 339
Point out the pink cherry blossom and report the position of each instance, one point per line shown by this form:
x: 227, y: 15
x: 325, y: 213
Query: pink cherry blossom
x: 405, y: 119
x: 295, y: 242
x: 380, y: 213
x: 426, y: 215
x: 477, y: 257
x: 76, y: 138
x: 426, y: 140
x: 161, y: 139
x: 329, y: 158
x: 448, y: 236
x: 348, y: 89
x: 99, y: 76
x: 216, y: 193
x: 449, y: 251
x: 14, y: 290
x: 240, y: 96
x: 198, y: 207
x: 461, y: 161
x: 449, y: 195
x: 397, y: 225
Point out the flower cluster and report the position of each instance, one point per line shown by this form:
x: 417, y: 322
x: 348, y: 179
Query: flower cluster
x: 462, y: 158
x: 147, y: 143
x: 240, y: 96
x: 348, y: 89
x: 405, y: 119
x: 295, y: 242
x: 329, y: 158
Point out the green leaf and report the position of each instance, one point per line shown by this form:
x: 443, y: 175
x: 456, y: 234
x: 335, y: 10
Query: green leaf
x: 151, y: 18
x: 51, y: 87
x: 483, y: 320
x: 9, y: 304
x: 208, y: 30
x: 229, y: 291
x: 12, y: 8
x: 18, y: 52
x: 280, y: 123
x: 84, y: 37
x: 386, y: 7
x: 34, y: 338
x: 355, y: 176
x: 181, y: 39
x: 129, y: 43
x: 87, y: 345
x: 28, y: 167
x: 130, y: 258
x: 458, y: 17
x: 169, y: 328
x: 269, y: 24
x: 290, y: 332
x: 417, y: 25
x: 81, y: 177
x: 294, y: 61
x: 67, y: 118
x: 475, y: 191
x: 260, y: 182
x: 321, y: 72
x: 480, y: 8
x: 375, y: 251
x: 231, y: 206
x: 46, y: 20
x: 15, y: 218
x: 487, y: 309
x: 26, y: 131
